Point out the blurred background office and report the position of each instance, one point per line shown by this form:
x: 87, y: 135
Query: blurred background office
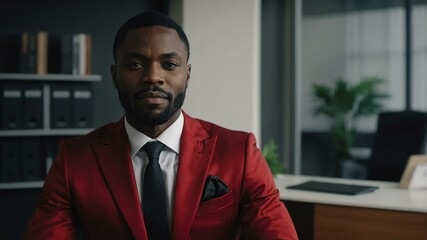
x: 354, y: 41
x: 254, y: 67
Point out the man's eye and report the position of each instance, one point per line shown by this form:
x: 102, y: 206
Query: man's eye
x: 170, y: 65
x: 135, y: 65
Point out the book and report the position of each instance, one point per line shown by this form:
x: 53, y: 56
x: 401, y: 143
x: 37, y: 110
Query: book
x: 82, y: 56
x: 67, y: 54
x: 88, y: 66
x: 34, y: 52
x: 9, y: 53
x: 60, y: 53
x: 24, y: 52
x: 41, y: 52
x: 79, y: 52
x: 30, y: 59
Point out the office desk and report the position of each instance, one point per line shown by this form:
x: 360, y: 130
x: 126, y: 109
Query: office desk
x: 387, y: 213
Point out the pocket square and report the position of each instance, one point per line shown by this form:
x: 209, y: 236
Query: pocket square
x: 214, y: 187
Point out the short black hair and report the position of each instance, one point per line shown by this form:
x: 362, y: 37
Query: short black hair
x: 148, y: 19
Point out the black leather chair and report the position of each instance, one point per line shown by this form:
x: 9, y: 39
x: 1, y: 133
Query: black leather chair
x: 398, y: 135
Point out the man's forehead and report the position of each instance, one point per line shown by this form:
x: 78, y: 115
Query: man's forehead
x: 142, y: 33
x: 154, y: 36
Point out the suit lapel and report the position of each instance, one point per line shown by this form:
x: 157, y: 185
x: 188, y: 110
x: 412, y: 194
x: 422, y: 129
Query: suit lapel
x: 195, y: 154
x: 113, y: 156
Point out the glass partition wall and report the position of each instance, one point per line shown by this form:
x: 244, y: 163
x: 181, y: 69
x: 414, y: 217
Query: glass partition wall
x: 330, y: 40
x: 351, y: 41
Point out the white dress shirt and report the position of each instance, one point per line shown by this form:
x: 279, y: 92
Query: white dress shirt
x: 168, y: 158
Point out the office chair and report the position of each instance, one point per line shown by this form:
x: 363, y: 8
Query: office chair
x: 398, y: 135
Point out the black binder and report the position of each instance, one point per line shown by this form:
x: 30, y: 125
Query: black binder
x: 11, y: 105
x: 60, y: 105
x: 33, y: 105
x: 82, y: 105
x: 339, y: 188
x: 10, y: 161
x: 31, y: 160
x: 51, y: 146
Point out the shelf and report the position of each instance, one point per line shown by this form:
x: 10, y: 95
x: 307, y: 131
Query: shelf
x: 21, y: 185
x: 44, y: 132
x: 49, y: 77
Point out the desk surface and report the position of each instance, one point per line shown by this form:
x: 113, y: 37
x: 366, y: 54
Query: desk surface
x: 389, y: 196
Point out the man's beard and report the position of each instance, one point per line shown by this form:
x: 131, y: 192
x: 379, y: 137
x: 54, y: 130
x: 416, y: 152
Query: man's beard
x: 152, y: 118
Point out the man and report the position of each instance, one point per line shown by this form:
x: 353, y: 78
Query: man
x: 214, y: 183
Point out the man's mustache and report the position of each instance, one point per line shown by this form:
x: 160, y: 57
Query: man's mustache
x: 153, y: 88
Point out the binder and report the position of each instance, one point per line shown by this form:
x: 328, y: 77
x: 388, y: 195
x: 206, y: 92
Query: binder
x: 31, y: 160
x: 33, y: 105
x: 11, y: 105
x: 51, y: 151
x: 10, y: 161
x: 60, y: 105
x: 82, y: 105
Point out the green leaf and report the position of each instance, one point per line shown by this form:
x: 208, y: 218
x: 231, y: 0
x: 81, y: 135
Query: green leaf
x: 269, y: 151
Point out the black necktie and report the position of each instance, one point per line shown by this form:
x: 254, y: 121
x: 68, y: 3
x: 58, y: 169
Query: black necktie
x: 153, y: 196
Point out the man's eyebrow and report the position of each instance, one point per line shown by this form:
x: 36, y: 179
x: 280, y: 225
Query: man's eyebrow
x: 135, y: 55
x: 143, y: 56
x: 171, y: 55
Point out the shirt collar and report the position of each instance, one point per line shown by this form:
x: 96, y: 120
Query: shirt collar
x: 171, y: 137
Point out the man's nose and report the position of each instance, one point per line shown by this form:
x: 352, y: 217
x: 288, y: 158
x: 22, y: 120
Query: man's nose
x: 154, y: 74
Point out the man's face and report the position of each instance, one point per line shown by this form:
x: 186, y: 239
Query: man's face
x: 151, y: 74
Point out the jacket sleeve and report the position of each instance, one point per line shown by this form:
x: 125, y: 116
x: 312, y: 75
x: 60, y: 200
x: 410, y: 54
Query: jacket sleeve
x: 262, y: 214
x: 54, y: 217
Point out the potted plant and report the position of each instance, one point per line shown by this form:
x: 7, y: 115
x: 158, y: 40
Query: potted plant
x: 344, y: 104
x: 271, y: 155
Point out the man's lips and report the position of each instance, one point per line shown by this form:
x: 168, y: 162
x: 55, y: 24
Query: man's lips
x: 151, y: 97
x: 151, y: 94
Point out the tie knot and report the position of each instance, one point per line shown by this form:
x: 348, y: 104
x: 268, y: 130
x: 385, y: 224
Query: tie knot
x: 153, y: 149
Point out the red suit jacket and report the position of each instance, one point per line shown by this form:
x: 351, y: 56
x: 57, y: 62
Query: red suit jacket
x: 91, y: 188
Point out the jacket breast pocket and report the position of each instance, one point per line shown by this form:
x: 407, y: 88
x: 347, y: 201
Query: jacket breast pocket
x: 215, y: 219
x: 216, y: 204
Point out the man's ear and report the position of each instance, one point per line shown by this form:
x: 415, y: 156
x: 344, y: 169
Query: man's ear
x: 113, y: 74
x: 188, y: 73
